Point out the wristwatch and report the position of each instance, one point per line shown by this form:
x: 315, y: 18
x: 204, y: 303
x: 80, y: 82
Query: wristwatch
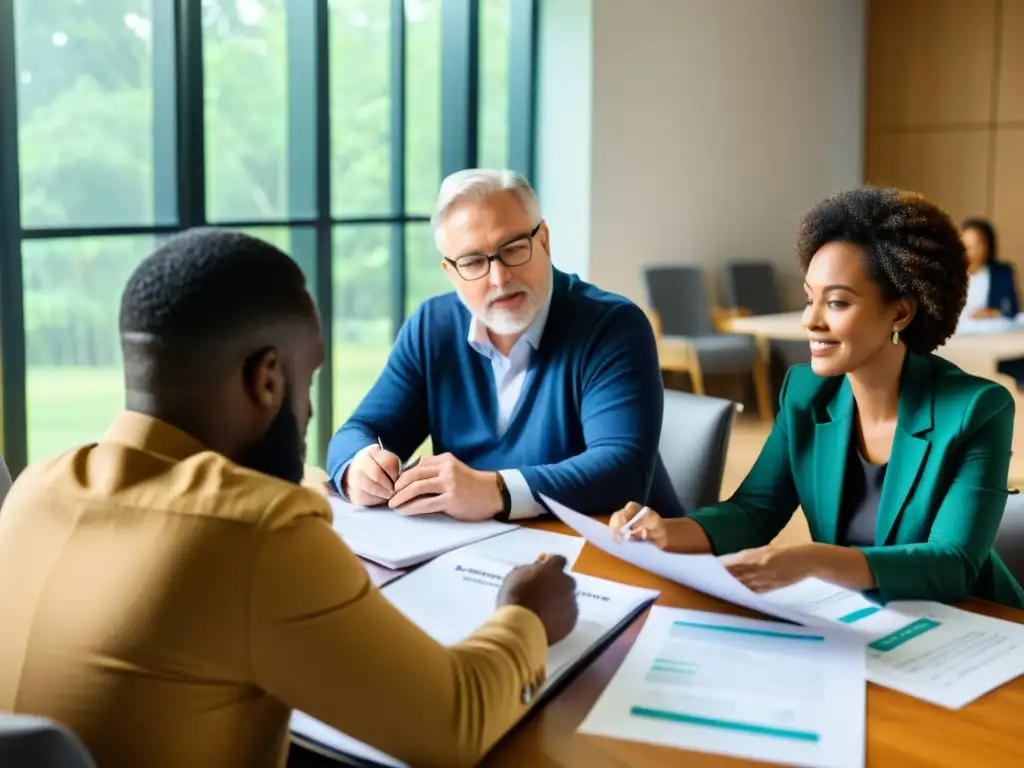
x: 506, y: 500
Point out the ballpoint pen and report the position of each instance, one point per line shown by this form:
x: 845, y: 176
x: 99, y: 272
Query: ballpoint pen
x: 625, y: 530
x: 380, y: 444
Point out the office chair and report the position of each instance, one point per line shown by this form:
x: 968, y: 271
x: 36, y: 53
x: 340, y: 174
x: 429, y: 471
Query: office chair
x: 5, y: 479
x: 36, y: 742
x: 750, y: 288
x: 676, y: 294
x: 751, y: 285
x: 1009, y: 543
x: 694, y: 439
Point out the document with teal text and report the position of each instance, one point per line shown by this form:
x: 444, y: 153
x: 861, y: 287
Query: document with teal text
x: 928, y: 650
x: 931, y: 651
x: 760, y: 690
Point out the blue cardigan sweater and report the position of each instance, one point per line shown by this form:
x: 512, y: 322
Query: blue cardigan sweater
x: 585, y: 430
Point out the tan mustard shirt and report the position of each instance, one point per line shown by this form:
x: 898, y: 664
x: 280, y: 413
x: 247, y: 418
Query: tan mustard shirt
x: 172, y: 607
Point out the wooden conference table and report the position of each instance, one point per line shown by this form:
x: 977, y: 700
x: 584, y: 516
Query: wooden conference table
x: 901, y: 731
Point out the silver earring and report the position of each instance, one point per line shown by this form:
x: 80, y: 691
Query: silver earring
x: 895, y: 335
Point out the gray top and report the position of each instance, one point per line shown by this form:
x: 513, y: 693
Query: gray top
x: 862, y: 490
x: 5, y: 479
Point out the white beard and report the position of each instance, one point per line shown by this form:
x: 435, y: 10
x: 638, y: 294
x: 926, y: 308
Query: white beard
x: 506, y: 322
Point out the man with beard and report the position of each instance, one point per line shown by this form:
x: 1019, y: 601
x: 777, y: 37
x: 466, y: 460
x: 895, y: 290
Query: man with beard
x: 171, y: 593
x: 528, y: 380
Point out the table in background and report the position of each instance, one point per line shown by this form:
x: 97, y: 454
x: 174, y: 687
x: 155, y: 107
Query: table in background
x: 976, y: 353
x: 901, y: 731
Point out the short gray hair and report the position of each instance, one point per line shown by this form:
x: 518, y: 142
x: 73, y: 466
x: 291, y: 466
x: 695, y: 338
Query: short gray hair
x: 479, y: 184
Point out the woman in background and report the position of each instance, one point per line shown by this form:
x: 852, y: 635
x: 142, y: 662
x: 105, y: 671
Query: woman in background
x: 992, y: 285
x: 898, y: 458
x: 992, y: 288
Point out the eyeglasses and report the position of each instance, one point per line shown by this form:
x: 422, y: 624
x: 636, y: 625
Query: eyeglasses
x: 474, y: 266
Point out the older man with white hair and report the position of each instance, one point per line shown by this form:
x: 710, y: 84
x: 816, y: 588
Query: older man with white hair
x: 528, y: 380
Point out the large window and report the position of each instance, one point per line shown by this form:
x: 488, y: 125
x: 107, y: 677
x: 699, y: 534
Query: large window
x: 322, y: 126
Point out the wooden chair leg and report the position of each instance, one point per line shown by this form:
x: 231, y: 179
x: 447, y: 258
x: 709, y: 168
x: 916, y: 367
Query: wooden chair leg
x: 696, y: 374
x: 762, y: 382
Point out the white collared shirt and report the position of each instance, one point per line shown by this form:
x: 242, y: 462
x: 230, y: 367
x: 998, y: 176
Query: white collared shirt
x: 977, y: 292
x: 509, y: 376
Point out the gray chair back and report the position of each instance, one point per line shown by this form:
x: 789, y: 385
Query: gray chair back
x: 694, y: 439
x: 1009, y: 543
x: 677, y: 294
x: 36, y: 742
x: 751, y: 285
x: 5, y: 479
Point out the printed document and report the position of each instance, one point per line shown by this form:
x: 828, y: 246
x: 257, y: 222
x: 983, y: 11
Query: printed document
x: 928, y: 650
x: 752, y: 689
x: 401, y: 541
x: 450, y: 597
x: 379, y: 575
x: 705, y: 573
x: 525, y: 545
x: 931, y: 651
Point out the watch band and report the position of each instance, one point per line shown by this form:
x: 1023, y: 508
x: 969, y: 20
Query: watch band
x: 506, y: 500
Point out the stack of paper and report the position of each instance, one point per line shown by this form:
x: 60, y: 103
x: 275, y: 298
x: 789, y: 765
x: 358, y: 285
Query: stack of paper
x: 400, y: 541
x: 741, y: 687
x: 379, y: 575
x: 928, y: 650
x: 452, y: 596
x: 525, y: 545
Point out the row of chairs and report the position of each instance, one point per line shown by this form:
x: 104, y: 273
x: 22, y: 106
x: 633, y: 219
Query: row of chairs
x: 677, y: 295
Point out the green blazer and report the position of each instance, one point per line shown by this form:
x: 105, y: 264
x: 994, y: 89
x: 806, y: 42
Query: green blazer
x: 944, y: 491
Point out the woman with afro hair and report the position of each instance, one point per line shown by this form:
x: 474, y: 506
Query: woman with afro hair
x: 898, y: 458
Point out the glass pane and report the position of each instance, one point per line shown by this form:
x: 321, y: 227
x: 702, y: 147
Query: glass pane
x: 495, y: 17
x: 85, y: 112
x: 360, y: 107
x: 424, y: 275
x: 362, y: 312
x: 72, y: 296
x: 423, y: 104
x: 300, y: 244
x: 245, y: 70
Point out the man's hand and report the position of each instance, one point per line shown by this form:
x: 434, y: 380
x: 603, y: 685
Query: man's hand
x: 444, y: 484
x: 546, y: 589
x: 369, y: 480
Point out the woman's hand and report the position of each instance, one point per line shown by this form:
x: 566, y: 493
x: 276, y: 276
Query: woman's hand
x: 651, y: 527
x: 773, y: 567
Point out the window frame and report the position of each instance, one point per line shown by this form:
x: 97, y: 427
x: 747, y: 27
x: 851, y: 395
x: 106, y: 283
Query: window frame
x: 180, y: 169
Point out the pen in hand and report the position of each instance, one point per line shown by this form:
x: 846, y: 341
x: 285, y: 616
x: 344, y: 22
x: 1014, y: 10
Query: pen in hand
x: 380, y: 444
x: 625, y: 530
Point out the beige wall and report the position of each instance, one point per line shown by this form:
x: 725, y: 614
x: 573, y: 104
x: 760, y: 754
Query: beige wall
x: 945, y: 107
x: 693, y: 131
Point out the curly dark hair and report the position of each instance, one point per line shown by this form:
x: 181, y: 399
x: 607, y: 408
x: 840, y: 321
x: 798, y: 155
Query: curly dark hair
x: 911, y: 248
x: 200, y: 290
